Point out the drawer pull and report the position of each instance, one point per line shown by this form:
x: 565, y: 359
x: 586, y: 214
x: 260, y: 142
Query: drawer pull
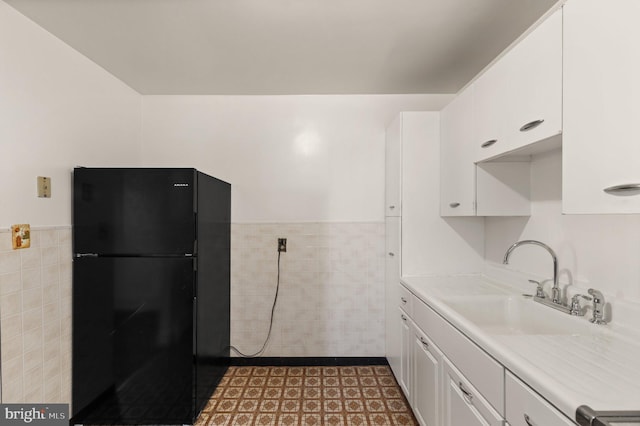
x: 403, y: 317
x: 531, y: 125
x: 392, y: 207
x: 626, y: 189
x: 467, y: 395
x: 424, y: 342
x: 404, y: 301
x: 487, y: 144
x: 454, y: 205
x: 527, y: 420
x: 391, y: 254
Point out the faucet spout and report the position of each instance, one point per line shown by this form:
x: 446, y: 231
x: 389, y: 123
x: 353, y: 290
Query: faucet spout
x: 555, y: 291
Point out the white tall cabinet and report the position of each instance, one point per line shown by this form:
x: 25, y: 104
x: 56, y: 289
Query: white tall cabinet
x: 419, y: 242
x: 601, y: 110
x: 408, y: 138
x: 393, y: 229
x: 392, y: 275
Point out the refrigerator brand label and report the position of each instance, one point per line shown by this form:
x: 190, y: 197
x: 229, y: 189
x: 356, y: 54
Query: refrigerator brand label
x: 180, y: 184
x: 34, y: 414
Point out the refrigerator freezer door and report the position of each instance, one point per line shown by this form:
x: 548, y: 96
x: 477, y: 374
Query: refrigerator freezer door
x: 134, y: 211
x: 133, y: 340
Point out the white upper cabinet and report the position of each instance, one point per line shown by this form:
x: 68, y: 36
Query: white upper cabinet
x: 457, y: 170
x: 490, y: 103
x: 518, y: 100
x: 534, y: 65
x: 601, y: 140
x: 498, y: 189
x: 393, y: 168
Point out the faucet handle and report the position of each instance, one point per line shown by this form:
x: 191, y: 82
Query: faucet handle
x: 575, y: 308
x: 598, y: 307
x: 539, y: 290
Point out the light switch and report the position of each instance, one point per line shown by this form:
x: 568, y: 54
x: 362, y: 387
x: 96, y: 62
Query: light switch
x: 44, y: 187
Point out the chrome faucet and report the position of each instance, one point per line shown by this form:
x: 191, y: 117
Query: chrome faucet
x: 598, y: 307
x: 555, y: 291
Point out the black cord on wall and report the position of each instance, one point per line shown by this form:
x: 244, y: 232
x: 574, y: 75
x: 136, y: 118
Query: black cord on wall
x: 273, y: 309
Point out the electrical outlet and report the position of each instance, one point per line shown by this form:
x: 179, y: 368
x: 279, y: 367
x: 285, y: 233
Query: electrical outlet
x: 282, y: 245
x: 44, y: 187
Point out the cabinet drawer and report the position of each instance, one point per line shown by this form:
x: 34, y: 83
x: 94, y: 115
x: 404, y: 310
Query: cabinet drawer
x: 405, y: 300
x: 464, y: 404
x: 486, y: 374
x: 525, y: 407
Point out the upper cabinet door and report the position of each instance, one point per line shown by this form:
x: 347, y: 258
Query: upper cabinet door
x: 534, y: 67
x: 601, y: 140
x: 490, y: 102
x: 393, y: 168
x: 457, y: 169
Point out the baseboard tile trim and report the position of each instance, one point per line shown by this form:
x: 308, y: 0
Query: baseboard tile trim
x: 308, y: 361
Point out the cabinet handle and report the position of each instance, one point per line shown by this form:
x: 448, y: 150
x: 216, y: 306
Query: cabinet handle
x: 403, y: 317
x: 467, y: 395
x: 391, y: 254
x: 454, y: 205
x: 487, y: 144
x: 531, y: 125
x: 424, y: 342
x: 527, y: 420
x: 625, y: 189
x: 392, y: 207
x: 404, y: 301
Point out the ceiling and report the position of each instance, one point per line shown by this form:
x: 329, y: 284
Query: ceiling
x: 280, y: 47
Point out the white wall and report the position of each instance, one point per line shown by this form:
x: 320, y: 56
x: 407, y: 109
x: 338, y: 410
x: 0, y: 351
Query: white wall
x: 307, y: 168
x: 432, y: 244
x: 57, y: 110
x: 600, y: 251
x: 289, y: 158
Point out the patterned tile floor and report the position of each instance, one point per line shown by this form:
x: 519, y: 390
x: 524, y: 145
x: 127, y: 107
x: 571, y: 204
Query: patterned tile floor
x: 308, y: 396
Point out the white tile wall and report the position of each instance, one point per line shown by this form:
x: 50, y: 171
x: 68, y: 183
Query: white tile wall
x: 35, y: 317
x: 331, y: 299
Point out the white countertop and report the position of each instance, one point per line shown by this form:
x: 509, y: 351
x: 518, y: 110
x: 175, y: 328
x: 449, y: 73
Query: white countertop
x: 598, y: 367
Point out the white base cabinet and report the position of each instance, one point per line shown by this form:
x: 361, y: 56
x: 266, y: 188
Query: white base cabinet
x: 427, y: 380
x: 450, y: 381
x: 463, y: 404
x: 406, y: 358
x: 526, y: 408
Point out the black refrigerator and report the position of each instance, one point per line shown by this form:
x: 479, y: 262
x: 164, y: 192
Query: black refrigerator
x: 151, y: 310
